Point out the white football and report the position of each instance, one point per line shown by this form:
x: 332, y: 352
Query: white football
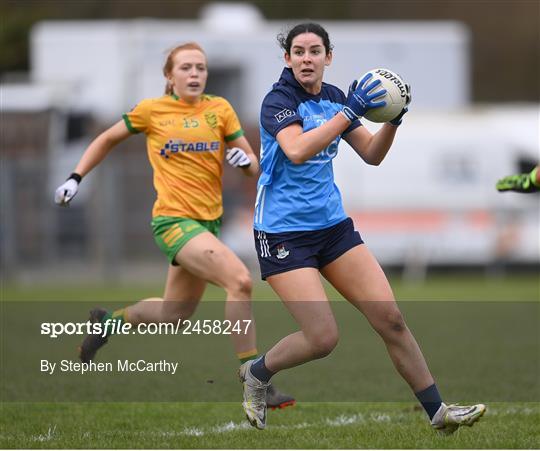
x: 396, y: 97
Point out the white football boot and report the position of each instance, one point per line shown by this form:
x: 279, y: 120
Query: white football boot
x: 449, y: 418
x: 254, y: 396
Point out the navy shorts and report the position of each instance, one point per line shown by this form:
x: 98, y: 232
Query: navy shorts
x: 281, y: 252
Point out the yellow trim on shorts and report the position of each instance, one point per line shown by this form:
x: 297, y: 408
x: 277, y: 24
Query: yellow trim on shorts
x: 171, y: 230
x: 173, y: 237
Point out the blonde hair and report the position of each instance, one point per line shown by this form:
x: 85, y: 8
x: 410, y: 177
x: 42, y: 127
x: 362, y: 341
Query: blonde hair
x: 167, y: 67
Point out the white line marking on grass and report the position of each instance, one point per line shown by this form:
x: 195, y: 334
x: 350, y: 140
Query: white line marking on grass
x: 344, y: 420
x: 192, y: 432
x: 45, y: 437
x: 338, y: 421
x: 511, y: 411
x: 299, y: 426
x: 229, y: 427
x: 381, y: 417
x: 290, y: 427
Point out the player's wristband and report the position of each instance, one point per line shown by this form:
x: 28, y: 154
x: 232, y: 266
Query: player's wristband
x: 349, y: 114
x: 75, y: 176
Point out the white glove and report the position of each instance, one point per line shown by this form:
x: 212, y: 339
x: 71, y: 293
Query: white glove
x: 237, y: 158
x: 65, y: 192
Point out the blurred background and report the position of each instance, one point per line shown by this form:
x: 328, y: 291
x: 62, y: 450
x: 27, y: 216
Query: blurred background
x: 68, y: 70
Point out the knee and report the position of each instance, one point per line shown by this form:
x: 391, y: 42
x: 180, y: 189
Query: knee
x: 240, y: 284
x: 392, y: 325
x: 395, y: 322
x: 324, y: 343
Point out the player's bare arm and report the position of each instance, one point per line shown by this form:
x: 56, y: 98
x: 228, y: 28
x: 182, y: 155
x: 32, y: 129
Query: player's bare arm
x: 94, y: 154
x: 101, y: 146
x: 363, y: 96
x: 372, y: 148
x: 300, y: 147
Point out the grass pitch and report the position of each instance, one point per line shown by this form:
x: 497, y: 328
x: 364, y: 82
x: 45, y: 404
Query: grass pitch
x: 496, y: 363
x: 452, y: 287
x: 220, y: 425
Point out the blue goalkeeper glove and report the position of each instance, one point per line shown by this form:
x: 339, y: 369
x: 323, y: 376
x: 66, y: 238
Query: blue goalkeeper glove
x: 397, y: 120
x: 361, y: 98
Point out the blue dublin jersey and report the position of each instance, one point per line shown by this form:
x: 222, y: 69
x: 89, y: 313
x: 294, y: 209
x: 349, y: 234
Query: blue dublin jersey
x: 295, y: 197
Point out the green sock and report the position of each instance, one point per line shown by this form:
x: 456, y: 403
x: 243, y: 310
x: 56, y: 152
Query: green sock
x: 117, y: 316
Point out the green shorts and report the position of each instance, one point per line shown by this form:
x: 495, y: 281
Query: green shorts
x: 172, y: 233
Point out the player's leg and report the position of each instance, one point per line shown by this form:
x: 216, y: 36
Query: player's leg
x: 289, y: 263
x: 211, y: 260
x: 183, y: 292
x: 182, y: 288
x: 359, y: 278
x: 303, y: 295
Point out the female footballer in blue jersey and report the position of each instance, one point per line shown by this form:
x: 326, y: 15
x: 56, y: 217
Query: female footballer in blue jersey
x: 301, y: 229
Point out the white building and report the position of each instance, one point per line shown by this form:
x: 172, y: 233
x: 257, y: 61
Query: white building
x: 107, y: 66
x: 432, y: 201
